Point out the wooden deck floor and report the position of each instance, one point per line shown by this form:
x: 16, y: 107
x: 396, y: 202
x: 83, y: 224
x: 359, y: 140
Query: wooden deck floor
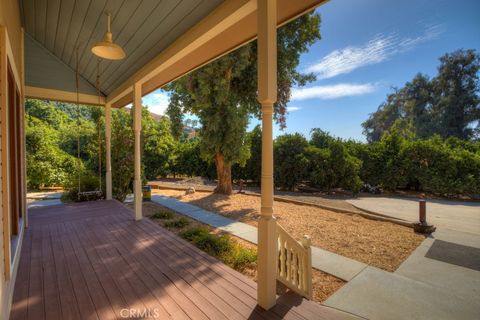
x: 92, y: 261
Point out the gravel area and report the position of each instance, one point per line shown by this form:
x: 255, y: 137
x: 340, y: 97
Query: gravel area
x: 324, y: 285
x: 381, y: 244
x: 336, y: 200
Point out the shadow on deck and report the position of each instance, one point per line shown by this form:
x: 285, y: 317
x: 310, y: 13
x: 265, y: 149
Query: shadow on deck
x: 91, y: 260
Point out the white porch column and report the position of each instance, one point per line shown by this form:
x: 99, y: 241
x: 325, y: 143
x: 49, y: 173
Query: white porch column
x: 108, y: 150
x: 267, y: 95
x: 137, y: 130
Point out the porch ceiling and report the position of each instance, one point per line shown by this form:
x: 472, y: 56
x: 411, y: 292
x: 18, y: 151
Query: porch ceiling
x: 163, y: 40
x: 143, y: 28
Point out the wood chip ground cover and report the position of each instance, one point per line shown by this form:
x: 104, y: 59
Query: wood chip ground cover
x: 380, y: 244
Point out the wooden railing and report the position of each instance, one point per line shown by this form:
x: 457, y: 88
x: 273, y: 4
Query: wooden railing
x: 294, y: 267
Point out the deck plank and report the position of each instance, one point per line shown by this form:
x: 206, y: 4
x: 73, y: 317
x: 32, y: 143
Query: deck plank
x: 19, y: 310
x: 36, y: 305
x: 80, y: 289
x: 91, y: 260
x: 175, y: 270
x: 68, y: 301
x: 208, y: 277
x: 52, y: 298
x: 139, y: 259
x: 100, y: 269
x: 139, y: 296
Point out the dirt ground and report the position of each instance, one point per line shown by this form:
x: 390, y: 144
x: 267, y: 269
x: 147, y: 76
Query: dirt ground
x: 324, y: 285
x: 381, y: 244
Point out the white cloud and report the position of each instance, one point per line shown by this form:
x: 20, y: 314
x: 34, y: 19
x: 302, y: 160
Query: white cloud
x: 379, y: 49
x: 292, y: 109
x: 332, y: 91
x: 157, y: 102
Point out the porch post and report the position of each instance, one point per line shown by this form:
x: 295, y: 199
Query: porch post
x: 267, y: 95
x: 137, y: 129
x: 108, y: 147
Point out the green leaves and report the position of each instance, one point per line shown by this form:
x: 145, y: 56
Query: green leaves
x: 223, y: 94
x: 47, y: 163
x: 448, y: 167
x: 291, y: 163
x: 324, y: 162
x: 447, y: 105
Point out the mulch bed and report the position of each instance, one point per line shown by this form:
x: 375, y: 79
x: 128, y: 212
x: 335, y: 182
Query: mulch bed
x: 381, y: 244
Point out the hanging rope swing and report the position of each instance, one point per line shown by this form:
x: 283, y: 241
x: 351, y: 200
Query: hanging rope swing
x: 98, y: 193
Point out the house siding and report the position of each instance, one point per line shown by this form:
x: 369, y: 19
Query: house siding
x: 11, y: 47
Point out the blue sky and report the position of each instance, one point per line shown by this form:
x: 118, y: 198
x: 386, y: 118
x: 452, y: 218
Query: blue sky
x: 368, y: 47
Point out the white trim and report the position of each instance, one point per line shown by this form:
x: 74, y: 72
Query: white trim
x: 223, y: 17
x: 64, y: 96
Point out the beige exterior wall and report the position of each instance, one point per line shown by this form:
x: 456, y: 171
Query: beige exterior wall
x: 10, y: 18
x: 11, y: 47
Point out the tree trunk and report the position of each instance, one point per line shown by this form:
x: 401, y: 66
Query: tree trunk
x: 224, y: 175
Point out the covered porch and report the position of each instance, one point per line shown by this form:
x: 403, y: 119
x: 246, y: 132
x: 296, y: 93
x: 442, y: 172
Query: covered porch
x: 90, y: 260
x: 93, y: 261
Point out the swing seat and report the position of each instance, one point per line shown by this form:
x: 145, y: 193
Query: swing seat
x: 97, y: 194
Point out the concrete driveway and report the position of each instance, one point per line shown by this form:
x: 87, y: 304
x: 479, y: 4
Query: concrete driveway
x: 453, y: 215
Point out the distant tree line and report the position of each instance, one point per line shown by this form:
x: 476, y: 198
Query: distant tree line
x: 447, y: 105
x: 445, y: 166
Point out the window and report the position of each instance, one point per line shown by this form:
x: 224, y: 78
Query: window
x: 14, y: 145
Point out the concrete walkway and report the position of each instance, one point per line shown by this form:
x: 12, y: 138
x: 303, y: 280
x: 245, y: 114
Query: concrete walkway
x: 43, y: 203
x: 444, y: 214
x: 440, y: 280
x: 41, y: 199
x: 44, y: 195
x: 329, y: 262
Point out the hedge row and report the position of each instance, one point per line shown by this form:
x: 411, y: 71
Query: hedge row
x: 448, y: 167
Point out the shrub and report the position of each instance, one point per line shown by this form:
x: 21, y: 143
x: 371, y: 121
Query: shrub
x: 222, y: 247
x: 321, y: 139
x: 373, y: 162
x: 241, y: 257
x: 194, y: 232
x: 320, y: 173
x: 253, y: 166
x: 393, y: 175
x: 165, y: 215
x: 434, y: 166
x: 291, y: 164
x: 333, y: 167
x: 177, y: 224
x: 204, y: 240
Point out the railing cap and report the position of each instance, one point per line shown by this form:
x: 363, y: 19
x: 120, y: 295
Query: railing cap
x: 306, y: 241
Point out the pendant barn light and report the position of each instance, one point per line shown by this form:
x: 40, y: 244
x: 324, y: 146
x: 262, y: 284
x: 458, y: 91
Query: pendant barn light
x: 107, y: 49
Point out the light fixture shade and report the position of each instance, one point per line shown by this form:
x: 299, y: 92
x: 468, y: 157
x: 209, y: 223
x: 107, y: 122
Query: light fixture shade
x: 107, y: 49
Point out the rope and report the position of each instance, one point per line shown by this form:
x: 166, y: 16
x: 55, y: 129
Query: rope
x: 77, y: 84
x: 78, y: 123
x: 98, y: 129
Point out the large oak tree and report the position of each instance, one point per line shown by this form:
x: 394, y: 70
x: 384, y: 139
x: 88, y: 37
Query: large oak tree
x: 223, y: 95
